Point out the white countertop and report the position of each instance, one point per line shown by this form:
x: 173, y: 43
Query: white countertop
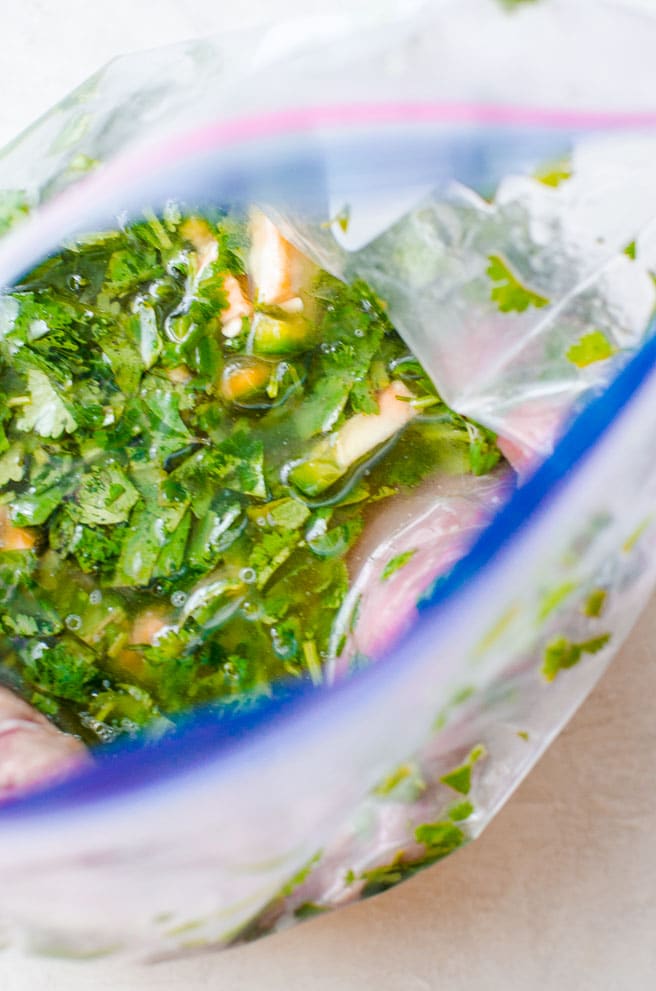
x: 560, y: 892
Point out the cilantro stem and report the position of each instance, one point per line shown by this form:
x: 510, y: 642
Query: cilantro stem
x: 312, y: 660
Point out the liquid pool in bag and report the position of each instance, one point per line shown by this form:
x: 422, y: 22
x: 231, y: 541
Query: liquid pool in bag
x: 487, y: 198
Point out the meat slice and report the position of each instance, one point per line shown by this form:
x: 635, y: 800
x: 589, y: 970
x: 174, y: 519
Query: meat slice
x: 32, y: 750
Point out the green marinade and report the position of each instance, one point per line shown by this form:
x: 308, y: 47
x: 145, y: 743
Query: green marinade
x: 175, y: 527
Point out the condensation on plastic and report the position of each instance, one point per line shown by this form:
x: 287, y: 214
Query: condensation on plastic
x: 229, y: 830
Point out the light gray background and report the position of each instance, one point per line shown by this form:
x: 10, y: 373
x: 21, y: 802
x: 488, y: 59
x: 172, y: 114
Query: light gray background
x: 560, y: 892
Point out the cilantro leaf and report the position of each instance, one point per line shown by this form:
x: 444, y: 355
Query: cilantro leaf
x: 327, y: 541
x: 94, y: 548
x: 507, y: 291
x: 45, y: 413
x: 460, y: 811
x: 287, y: 513
x: 405, y: 784
x: 121, y: 353
x: 65, y: 669
x: 129, y: 267
x: 562, y: 654
x: 12, y: 465
x: 308, y: 910
x: 32, y: 509
x: 127, y: 709
x: 151, y: 527
x: 439, y: 839
x: 172, y: 555
x: 590, y: 348
x: 215, y: 531
x: 595, y: 603
x: 460, y: 777
x: 483, y: 451
x: 105, y: 496
x: 553, y: 598
x: 236, y: 463
x: 351, y: 331
x: 554, y: 173
x: 396, y: 563
x: 270, y: 552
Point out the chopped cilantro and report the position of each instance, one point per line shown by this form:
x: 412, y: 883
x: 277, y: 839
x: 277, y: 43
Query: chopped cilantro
x: 287, y: 514
x: 630, y: 250
x: 635, y: 536
x: 149, y: 444
x: 44, y: 704
x: 553, y: 598
x: 554, y: 173
x: 378, y: 879
x: 65, y: 669
x: 439, y: 839
x: 460, y: 811
x: 12, y: 465
x: 561, y: 653
x: 45, y: 412
x: 301, y: 875
x: 307, y: 910
x: 341, y: 218
x: 508, y: 292
x: 405, y: 784
x: 590, y: 348
x: 460, y: 777
x: 595, y: 602
x: 396, y: 563
x: 483, y: 451
x: 105, y: 495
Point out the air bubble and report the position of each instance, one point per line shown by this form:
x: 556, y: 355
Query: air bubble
x: 95, y: 597
x: 73, y: 622
x: 248, y: 575
x: 358, y: 332
x: 178, y: 599
x: 250, y: 610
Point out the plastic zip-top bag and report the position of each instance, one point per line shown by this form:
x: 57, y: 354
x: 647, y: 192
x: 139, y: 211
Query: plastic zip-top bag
x: 498, y: 197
